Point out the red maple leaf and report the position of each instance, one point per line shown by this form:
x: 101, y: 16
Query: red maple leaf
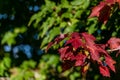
x: 75, y: 42
x: 101, y: 49
x: 93, y: 53
x: 75, y: 35
x: 104, y: 71
x: 104, y: 14
x: 66, y: 53
x: 102, y: 11
x: 96, y: 10
x: 56, y: 40
x: 60, y: 38
x: 90, y: 46
x: 80, y: 59
x: 49, y: 45
x: 110, y: 62
x: 110, y: 2
x: 88, y: 37
x: 114, y: 43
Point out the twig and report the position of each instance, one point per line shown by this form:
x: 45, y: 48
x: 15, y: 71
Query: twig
x: 113, y: 50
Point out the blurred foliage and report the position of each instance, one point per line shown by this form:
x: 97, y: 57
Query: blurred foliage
x: 26, y: 27
x: 59, y: 17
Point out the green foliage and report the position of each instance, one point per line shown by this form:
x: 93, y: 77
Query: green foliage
x: 9, y: 37
x: 48, y: 68
x: 25, y: 71
x: 60, y: 17
x: 5, y: 64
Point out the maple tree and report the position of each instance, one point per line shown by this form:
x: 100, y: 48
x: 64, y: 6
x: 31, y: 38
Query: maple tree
x: 88, y: 41
x: 80, y: 49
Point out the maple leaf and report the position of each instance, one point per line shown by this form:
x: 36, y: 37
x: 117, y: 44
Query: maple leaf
x: 88, y: 37
x: 93, y: 52
x: 102, y: 11
x: 75, y: 35
x: 96, y: 10
x: 114, y: 43
x: 49, y: 45
x: 110, y: 2
x: 104, y: 71
x: 75, y: 42
x: 103, y: 46
x: 104, y: 14
x: 62, y: 52
x: 80, y: 59
x: 101, y: 49
x: 60, y: 37
x: 90, y: 46
x: 56, y: 40
x: 110, y: 62
x: 66, y: 53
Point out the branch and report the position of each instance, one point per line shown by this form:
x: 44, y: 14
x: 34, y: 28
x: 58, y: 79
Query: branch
x: 113, y: 50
